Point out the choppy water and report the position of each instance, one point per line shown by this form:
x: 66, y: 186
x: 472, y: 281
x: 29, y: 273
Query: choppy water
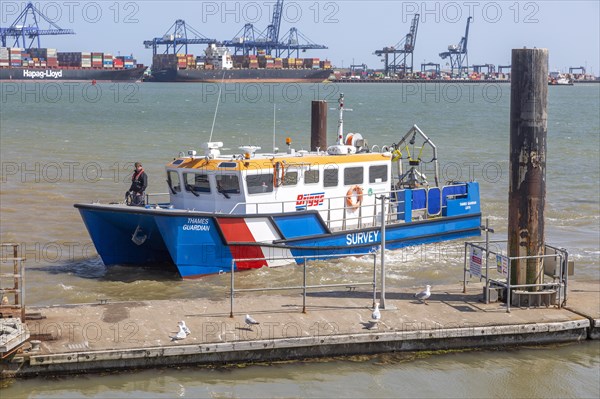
x: 64, y: 144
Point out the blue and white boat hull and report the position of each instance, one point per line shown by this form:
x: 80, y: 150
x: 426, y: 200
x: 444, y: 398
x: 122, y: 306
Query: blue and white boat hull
x: 201, y: 243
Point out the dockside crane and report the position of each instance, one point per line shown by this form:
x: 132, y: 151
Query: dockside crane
x: 490, y: 68
x: 251, y: 42
x: 244, y: 41
x: 458, y: 53
x: 431, y: 64
x: 402, y: 52
x: 176, y: 39
x: 291, y: 44
x: 26, y: 27
x: 502, y: 68
x: 577, y: 70
x: 272, y: 31
x: 358, y: 68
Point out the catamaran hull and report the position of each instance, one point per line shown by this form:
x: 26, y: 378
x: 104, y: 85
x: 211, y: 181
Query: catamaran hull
x: 200, y: 243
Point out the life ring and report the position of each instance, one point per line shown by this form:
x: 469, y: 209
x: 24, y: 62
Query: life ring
x: 359, y: 197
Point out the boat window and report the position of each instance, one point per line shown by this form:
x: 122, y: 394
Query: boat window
x: 330, y: 177
x: 227, y: 165
x: 311, y: 176
x: 353, y: 176
x: 260, y: 183
x: 173, y: 181
x: 196, y: 182
x: 290, y: 178
x: 228, y: 184
x: 378, y: 173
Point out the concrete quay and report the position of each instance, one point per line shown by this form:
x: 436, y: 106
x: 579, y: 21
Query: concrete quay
x: 127, y: 335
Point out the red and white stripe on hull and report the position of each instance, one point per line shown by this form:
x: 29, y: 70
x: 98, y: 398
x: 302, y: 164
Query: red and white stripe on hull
x: 254, y: 230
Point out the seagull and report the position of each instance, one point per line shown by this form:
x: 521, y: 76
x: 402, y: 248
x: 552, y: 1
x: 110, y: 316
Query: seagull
x: 184, y: 327
x: 180, y: 334
x: 423, y: 295
x: 250, y: 321
x: 376, y: 316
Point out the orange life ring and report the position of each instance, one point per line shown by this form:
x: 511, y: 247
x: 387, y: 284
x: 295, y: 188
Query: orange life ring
x: 359, y: 197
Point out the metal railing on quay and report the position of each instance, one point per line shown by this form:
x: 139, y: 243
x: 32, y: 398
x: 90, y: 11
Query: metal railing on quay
x: 304, y: 286
x: 504, y: 263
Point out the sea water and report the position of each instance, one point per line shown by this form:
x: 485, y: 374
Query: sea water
x: 63, y: 143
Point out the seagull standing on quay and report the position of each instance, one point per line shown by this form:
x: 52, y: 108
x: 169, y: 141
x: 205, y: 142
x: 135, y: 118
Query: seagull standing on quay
x: 185, y: 328
x: 180, y: 334
x: 376, y: 315
x: 423, y: 295
x: 250, y: 321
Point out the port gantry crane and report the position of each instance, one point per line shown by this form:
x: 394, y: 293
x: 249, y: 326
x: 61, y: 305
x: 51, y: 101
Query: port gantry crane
x: 23, y: 29
x: 249, y: 41
x: 431, y: 64
x: 290, y: 44
x: 272, y: 31
x: 401, y: 52
x: 176, y: 39
x: 501, y: 68
x: 458, y: 53
x: 490, y: 68
x: 244, y: 41
x: 576, y: 70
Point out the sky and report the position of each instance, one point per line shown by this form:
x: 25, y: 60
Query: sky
x: 352, y: 30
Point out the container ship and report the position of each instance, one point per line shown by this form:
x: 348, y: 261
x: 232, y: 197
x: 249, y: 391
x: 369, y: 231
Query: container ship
x: 46, y: 64
x: 218, y: 64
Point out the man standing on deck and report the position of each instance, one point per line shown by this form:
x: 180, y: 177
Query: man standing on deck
x: 139, y: 182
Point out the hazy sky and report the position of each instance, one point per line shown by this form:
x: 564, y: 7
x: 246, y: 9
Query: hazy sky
x: 352, y: 30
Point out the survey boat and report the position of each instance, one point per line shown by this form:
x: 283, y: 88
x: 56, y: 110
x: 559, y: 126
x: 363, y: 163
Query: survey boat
x: 250, y: 209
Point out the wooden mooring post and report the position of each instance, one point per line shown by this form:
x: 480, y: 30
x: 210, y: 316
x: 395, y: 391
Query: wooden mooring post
x: 318, y: 131
x: 527, y: 164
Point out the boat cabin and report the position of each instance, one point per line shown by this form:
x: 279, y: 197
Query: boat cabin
x: 342, y: 187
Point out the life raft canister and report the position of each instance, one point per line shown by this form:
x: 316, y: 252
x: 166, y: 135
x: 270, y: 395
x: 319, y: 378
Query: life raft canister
x: 354, y: 190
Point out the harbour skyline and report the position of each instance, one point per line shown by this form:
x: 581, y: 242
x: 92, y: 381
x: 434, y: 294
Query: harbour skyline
x: 351, y: 30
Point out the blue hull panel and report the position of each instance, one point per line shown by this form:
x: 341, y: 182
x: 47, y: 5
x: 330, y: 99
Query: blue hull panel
x: 196, y: 248
x: 113, y: 234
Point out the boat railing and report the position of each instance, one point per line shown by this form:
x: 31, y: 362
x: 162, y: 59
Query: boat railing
x: 337, y: 214
x: 151, y: 198
x: 365, y: 215
x: 403, y: 205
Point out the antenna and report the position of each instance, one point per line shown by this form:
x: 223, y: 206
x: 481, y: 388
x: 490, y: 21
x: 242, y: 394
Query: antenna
x: 274, y: 121
x: 341, y: 120
x: 216, y: 109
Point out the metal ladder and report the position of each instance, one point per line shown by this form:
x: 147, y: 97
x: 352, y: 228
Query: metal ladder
x: 17, y: 307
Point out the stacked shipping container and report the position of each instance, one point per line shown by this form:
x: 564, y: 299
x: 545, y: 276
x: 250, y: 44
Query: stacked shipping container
x: 107, y: 60
x: 260, y: 61
x: 4, y: 57
x: 50, y: 58
x: 15, y: 56
x: 86, y: 60
x: 97, y: 60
